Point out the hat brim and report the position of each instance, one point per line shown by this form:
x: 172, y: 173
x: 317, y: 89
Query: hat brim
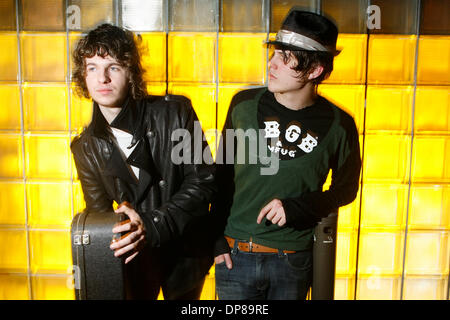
x: 292, y: 47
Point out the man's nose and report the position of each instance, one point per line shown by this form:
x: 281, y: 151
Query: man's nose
x: 103, y: 77
x: 272, y: 63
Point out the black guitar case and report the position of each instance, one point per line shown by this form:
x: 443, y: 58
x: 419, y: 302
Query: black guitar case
x: 98, y: 274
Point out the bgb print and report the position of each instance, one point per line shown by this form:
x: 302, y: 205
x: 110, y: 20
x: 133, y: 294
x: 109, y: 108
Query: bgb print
x: 271, y: 129
x: 293, y: 138
x: 308, y: 143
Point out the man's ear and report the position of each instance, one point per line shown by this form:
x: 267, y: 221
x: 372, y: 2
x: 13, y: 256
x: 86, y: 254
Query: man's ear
x: 316, y: 72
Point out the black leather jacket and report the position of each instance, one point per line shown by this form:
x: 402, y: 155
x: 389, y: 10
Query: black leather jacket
x: 171, y: 199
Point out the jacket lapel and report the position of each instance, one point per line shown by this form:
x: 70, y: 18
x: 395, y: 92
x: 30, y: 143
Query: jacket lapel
x: 130, y: 119
x: 117, y: 167
x: 141, y: 157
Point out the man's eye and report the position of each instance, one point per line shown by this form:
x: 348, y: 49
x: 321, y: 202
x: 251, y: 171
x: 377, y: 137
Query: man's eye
x: 115, y: 68
x: 90, y: 69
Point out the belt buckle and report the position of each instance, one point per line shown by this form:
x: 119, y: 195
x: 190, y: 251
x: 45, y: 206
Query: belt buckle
x: 250, y: 245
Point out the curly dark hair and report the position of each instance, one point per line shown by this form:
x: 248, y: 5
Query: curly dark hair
x: 120, y: 44
x: 307, y: 61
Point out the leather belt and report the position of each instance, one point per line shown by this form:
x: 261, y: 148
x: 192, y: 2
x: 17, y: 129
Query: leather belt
x: 253, y: 247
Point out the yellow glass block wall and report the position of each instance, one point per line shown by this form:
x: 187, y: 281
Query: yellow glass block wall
x: 393, y: 240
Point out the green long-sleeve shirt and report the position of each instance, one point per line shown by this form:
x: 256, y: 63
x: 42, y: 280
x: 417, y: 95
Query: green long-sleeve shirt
x: 309, y: 142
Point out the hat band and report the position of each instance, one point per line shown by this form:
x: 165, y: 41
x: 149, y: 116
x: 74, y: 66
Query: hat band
x: 298, y: 40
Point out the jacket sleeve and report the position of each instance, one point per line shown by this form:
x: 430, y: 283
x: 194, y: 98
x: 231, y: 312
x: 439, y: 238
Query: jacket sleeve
x: 221, y: 206
x: 94, y: 192
x: 306, y: 210
x: 190, y: 202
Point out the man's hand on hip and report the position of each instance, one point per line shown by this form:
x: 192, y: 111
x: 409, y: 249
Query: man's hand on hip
x: 224, y: 257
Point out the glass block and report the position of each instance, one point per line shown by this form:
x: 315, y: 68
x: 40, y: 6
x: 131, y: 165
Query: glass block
x: 429, y: 207
x: 192, y: 57
x: 45, y: 107
x: 434, y: 60
x: 142, y: 15
x: 280, y: 8
x: 78, y: 199
x: 397, y: 17
x: 91, y: 13
x: 10, y: 106
x: 389, y: 108
x: 346, y: 253
x: 7, y: 15
x: 72, y: 161
x: 81, y: 111
x: 50, y: 251
x: 349, y: 98
x: 209, y: 288
x: 74, y: 37
x: 47, y: 156
x: 380, y: 253
x: 212, y: 270
x: 242, y: 58
x: 431, y: 159
x: 349, y: 214
x: 425, y: 288
x: 344, y: 288
x: 203, y: 98
x: 192, y: 15
x: 156, y: 88
x: 386, y: 157
x: 8, y: 57
x: 43, y: 57
x: 45, y: 15
x: 435, y: 17
x: 391, y: 59
x: 243, y: 16
x: 427, y: 253
x: 49, y: 204
x: 327, y: 184
x: 350, y: 65
x: 12, y: 203
x: 376, y: 287
x: 52, y: 287
x: 384, y: 206
x: 160, y: 295
x: 432, y: 101
x: 14, y: 287
x: 349, y: 16
x: 11, y: 157
x: 361, y: 143
x: 225, y: 95
x: 153, y: 56
x: 13, y: 256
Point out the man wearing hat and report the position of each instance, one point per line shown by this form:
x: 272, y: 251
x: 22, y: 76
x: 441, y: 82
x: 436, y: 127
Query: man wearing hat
x: 264, y: 247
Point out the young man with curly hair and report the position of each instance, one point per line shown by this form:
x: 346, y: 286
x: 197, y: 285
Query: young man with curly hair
x: 264, y: 250
x: 122, y: 156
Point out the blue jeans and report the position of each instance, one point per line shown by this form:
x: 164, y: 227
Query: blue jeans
x: 265, y: 276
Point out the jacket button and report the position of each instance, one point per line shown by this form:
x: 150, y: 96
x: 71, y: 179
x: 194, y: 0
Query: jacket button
x: 162, y: 183
x: 167, y: 98
x: 150, y: 134
x: 156, y: 219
